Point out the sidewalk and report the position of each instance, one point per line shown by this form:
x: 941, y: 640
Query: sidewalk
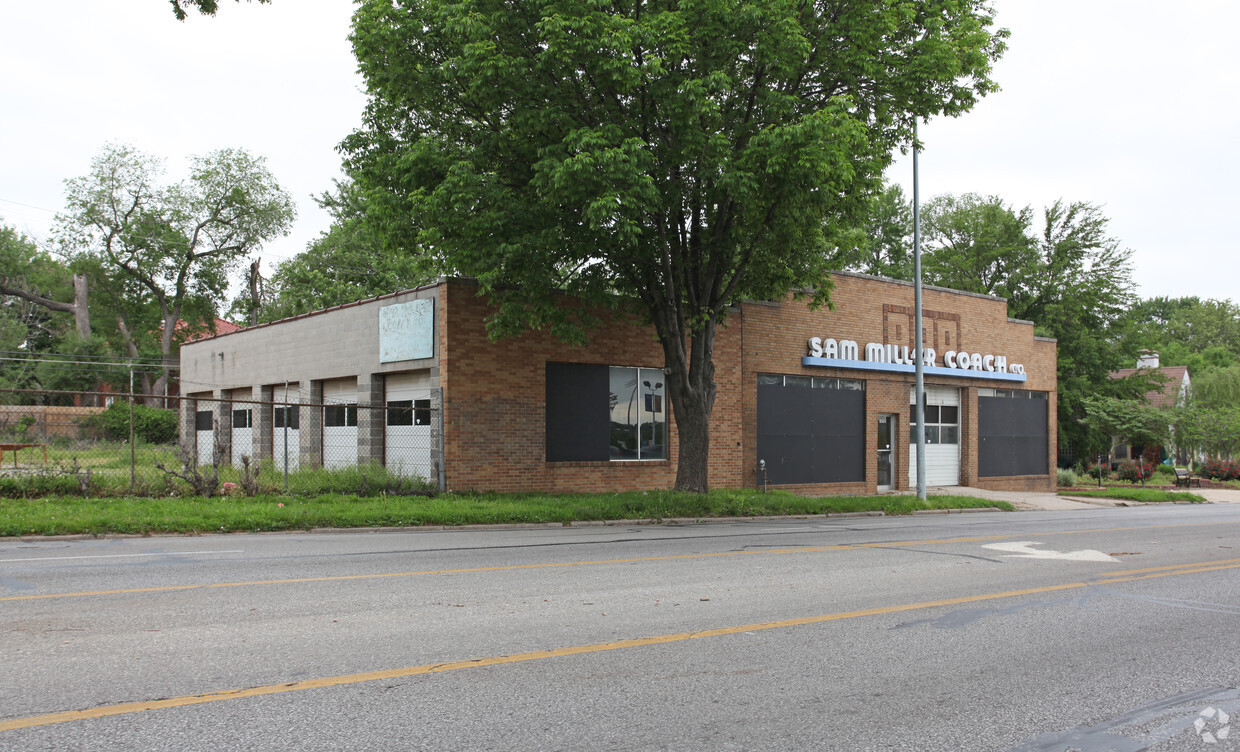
x: 1039, y: 501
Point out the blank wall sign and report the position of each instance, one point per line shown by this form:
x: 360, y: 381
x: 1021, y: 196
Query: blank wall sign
x: 407, y: 331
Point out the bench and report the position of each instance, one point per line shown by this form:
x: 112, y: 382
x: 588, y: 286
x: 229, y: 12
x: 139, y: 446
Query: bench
x: 14, y: 447
x: 1182, y: 478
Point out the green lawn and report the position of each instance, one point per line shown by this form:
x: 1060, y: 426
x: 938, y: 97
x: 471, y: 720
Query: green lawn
x: 1134, y: 493
x: 60, y: 515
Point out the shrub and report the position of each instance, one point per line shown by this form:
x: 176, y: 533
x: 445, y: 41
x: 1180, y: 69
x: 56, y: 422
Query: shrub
x: 1065, y: 477
x: 150, y: 424
x: 1134, y: 471
x: 1167, y: 470
x: 1217, y: 469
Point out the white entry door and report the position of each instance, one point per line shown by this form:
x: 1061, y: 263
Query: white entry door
x: 942, y: 429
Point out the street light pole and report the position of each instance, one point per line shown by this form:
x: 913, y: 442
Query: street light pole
x: 919, y: 413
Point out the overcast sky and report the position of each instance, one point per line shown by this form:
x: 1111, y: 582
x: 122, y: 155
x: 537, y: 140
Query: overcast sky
x: 1132, y: 106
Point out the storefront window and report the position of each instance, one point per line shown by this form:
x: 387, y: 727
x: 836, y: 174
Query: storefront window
x: 638, y: 425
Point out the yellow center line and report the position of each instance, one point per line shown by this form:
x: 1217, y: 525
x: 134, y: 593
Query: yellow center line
x: 598, y: 562
x: 536, y: 655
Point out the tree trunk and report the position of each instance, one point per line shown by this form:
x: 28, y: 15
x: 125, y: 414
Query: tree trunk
x: 254, y: 292
x: 81, y: 311
x: 691, y: 389
x: 81, y: 314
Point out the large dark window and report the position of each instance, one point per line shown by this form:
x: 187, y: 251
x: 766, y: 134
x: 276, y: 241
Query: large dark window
x: 203, y: 420
x: 811, y: 429
x: 242, y: 418
x: 576, y: 412
x: 597, y: 413
x: 1012, y: 433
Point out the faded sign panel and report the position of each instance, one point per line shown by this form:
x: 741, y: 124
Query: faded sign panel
x: 407, y: 331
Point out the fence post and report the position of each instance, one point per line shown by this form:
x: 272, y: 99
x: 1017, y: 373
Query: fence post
x: 133, y: 469
x: 443, y: 475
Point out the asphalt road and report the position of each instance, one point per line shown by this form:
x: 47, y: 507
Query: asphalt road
x: 1084, y: 630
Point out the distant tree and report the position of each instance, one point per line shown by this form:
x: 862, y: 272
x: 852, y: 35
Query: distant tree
x: 164, y: 253
x: 345, y: 263
x: 669, y: 158
x: 885, y: 247
x: 1181, y: 327
x: 205, y: 7
x: 1068, y: 276
x: 978, y: 244
x: 28, y: 273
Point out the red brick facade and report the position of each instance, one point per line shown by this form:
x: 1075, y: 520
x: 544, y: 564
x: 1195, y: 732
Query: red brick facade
x: 494, y: 393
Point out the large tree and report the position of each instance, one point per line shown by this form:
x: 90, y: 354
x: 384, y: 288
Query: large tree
x: 1068, y: 275
x: 163, y: 253
x: 671, y: 156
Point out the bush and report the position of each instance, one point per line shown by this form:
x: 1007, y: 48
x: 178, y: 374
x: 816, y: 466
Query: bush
x: 150, y: 424
x: 1134, y: 471
x: 1167, y: 470
x: 1217, y: 469
x: 1065, y: 477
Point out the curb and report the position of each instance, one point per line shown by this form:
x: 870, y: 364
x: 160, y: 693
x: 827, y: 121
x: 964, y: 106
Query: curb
x: 957, y: 511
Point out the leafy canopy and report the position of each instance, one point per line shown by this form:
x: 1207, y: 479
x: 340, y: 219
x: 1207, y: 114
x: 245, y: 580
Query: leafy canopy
x: 675, y: 156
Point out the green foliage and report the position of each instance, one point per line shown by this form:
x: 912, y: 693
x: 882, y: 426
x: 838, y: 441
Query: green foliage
x: 205, y: 7
x: 979, y: 244
x: 1216, y: 387
x: 1135, y: 420
x: 673, y: 159
x: 159, y: 254
x: 151, y: 425
x: 1065, y: 477
x: 1214, y: 432
x: 1144, y: 495
x: 885, y: 244
x: 345, y: 263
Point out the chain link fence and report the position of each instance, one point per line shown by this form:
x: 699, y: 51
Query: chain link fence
x: 58, y: 442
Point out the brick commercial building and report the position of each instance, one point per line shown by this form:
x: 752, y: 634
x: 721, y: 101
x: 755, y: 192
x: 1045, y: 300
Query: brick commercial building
x: 815, y: 401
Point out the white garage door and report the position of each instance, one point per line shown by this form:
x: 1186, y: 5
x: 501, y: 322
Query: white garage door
x: 340, y: 423
x: 204, y: 433
x: 242, y: 428
x: 407, y: 435
x: 286, y: 425
x: 942, y: 437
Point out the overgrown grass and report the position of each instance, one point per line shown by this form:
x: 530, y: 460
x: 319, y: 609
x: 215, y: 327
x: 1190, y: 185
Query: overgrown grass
x: 104, y: 472
x: 1133, y: 493
x: 74, y: 515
